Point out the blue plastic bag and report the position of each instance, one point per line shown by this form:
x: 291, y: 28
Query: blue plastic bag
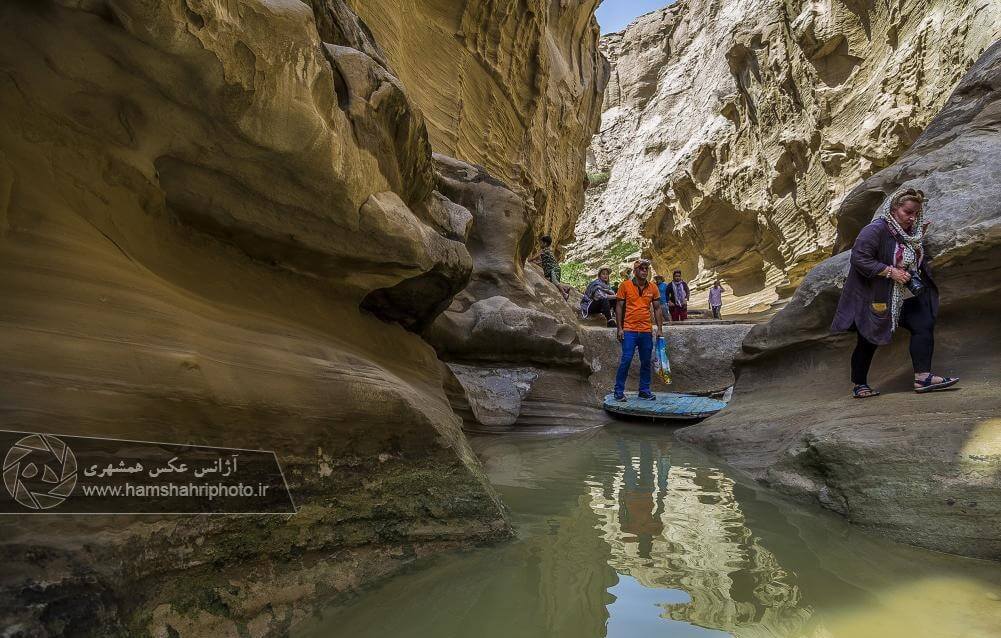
x: 661, y: 364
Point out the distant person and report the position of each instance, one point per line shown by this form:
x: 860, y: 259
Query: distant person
x: 677, y: 299
x: 716, y: 300
x: 661, y: 287
x: 638, y: 301
x: 550, y: 267
x: 889, y: 285
x: 624, y: 275
x: 599, y: 298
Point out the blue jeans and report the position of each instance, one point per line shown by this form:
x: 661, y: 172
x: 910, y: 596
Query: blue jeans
x: 633, y: 340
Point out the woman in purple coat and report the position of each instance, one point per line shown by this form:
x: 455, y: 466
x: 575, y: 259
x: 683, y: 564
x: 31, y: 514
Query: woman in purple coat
x: 890, y: 285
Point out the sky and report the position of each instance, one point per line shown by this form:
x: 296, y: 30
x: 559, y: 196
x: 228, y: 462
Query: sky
x: 615, y: 15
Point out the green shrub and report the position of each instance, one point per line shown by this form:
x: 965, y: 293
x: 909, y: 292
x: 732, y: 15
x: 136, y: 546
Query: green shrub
x: 574, y: 273
x: 621, y: 251
x: 579, y: 274
x: 597, y: 179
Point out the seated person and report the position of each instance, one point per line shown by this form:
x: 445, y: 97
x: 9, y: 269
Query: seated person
x: 550, y: 267
x: 599, y: 298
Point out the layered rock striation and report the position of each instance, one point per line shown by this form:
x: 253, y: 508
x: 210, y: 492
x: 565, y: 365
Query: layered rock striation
x: 221, y: 224
x: 513, y: 87
x: 732, y: 131
x: 924, y: 469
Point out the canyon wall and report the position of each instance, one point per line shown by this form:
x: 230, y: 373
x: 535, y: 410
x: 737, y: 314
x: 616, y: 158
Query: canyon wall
x: 512, y: 342
x: 732, y: 131
x: 512, y: 86
x: 222, y: 224
x: 924, y: 469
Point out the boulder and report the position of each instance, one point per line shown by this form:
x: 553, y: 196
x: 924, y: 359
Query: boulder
x: 701, y: 357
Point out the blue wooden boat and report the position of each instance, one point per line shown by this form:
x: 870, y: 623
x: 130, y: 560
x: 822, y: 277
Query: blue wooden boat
x: 667, y: 406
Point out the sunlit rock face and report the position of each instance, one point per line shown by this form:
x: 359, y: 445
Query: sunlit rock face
x: 924, y: 469
x: 732, y: 131
x: 515, y: 88
x: 214, y: 218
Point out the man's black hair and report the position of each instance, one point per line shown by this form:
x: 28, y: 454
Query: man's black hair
x: 546, y: 240
x: 676, y: 272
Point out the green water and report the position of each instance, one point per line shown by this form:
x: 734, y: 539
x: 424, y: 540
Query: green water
x: 624, y: 533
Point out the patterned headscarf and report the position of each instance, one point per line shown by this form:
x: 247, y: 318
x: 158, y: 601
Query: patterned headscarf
x: 912, y: 245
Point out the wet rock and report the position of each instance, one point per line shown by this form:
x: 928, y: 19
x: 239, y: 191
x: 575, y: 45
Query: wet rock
x: 924, y: 469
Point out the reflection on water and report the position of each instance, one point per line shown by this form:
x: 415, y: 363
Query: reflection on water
x: 639, y: 610
x: 681, y: 528
x: 624, y: 533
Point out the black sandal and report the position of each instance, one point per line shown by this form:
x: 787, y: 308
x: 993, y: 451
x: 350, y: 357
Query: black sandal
x: 863, y: 391
x: 927, y: 386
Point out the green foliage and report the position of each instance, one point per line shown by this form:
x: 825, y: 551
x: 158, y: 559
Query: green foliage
x: 579, y: 274
x: 621, y: 251
x: 597, y: 179
x: 575, y: 274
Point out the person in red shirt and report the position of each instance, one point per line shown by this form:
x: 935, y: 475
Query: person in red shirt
x: 637, y: 301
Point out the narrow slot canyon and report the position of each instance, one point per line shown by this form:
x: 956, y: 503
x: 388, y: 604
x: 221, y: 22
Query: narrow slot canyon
x: 299, y: 333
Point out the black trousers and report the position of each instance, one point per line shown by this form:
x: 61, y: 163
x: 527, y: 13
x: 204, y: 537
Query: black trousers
x: 601, y: 306
x: 916, y: 316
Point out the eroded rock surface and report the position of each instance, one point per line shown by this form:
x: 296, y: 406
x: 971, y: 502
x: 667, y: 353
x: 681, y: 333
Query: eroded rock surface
x: 515, y: 88
x: 732, y: 131
x: 925, y: 469
x: 220, y: 224
x: 521, y: 363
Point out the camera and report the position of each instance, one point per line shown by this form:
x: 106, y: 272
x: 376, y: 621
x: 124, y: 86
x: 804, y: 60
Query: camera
x: 915, y: 285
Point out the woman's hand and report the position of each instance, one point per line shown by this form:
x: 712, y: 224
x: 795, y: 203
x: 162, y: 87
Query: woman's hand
x: 899, y: 275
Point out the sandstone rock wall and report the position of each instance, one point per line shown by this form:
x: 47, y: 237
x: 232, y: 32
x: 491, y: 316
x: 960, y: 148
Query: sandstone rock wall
x: 512, y: 342
x: 925, y: 469
x: 512, y: 86
x: 220, y: 223
x: 733, y: 130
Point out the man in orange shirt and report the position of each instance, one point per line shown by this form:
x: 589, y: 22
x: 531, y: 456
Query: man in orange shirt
x: 637, y: 301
